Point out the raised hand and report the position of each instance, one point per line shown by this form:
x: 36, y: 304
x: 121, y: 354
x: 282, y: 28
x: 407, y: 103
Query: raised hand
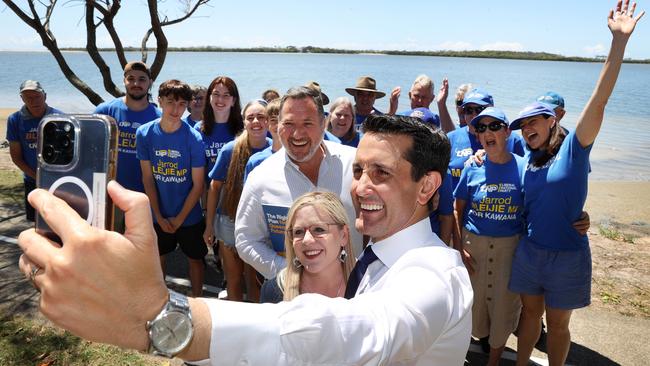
x: 621, y: 21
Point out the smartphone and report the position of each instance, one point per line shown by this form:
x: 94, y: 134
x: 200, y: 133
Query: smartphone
x: 77, y: 157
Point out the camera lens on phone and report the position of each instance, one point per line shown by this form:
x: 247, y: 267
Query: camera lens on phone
x: 50, y: 129
x: 49, y: 154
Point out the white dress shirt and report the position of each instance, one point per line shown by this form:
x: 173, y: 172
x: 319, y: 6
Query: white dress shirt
x: 413, y: 308
x: 279, y: 182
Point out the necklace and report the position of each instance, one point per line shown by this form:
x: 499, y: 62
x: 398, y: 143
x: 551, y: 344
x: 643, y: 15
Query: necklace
x: 304, y: 289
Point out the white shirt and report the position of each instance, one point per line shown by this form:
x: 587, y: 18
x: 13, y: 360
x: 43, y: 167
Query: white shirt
x: 279, y: 182
x: 415, y: 309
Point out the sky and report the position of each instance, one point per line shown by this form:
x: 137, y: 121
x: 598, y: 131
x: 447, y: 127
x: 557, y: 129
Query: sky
x: 570, y: 28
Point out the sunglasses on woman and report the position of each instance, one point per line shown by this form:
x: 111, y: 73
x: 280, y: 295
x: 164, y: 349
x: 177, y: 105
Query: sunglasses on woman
x: 494, y: 126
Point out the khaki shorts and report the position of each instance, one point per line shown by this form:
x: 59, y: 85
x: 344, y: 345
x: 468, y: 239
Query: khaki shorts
x: 496, y: 309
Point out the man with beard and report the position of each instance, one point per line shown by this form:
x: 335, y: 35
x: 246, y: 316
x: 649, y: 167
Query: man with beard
x: 130, y: 112
x: 307, y: 163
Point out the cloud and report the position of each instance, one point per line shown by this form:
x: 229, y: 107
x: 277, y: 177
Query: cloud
x: 598, y: 49
x: 502, y: 46
x: 455, y: 46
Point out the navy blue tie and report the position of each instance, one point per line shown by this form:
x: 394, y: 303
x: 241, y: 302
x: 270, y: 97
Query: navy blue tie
x: 358, y: 271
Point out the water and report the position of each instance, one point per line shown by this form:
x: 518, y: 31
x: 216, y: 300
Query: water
x: 620, y: 152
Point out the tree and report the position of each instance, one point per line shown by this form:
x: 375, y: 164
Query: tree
x: 101, y: 13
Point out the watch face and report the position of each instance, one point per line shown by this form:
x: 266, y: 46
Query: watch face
x: 172, y: 332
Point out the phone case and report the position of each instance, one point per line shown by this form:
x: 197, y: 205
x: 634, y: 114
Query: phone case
x: 82, y: 181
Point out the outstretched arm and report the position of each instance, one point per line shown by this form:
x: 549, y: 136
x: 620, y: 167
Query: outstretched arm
x: 441, y: 100
x: 621, y: 22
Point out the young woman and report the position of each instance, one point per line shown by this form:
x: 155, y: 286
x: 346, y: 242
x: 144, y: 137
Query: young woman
x: 552, y: 264
x: 489, y: 202
x: 228, y: 173
x: 317, y: 242
x: 340, y: 122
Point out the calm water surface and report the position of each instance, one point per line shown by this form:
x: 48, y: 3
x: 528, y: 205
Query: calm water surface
x: 620, y: 152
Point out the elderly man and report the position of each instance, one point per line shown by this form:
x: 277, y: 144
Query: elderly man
x: 307, y: 163
x: 22, y: 134
x: 412, y: 296
x: 421, y: 96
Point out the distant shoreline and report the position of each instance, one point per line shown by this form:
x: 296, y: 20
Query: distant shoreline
x: 511, y: 55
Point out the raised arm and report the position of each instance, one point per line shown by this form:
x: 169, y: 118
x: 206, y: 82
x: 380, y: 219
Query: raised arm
x: 621, y: 22
x: 446, y: 123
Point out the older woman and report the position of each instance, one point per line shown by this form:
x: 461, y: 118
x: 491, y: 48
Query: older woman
x: 552, y: 264
x: 340, y: 122
x: 317, y: 242
x: 228, y: 172
x: 489, y: 203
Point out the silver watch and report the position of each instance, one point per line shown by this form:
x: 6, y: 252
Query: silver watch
x: 171, y: 331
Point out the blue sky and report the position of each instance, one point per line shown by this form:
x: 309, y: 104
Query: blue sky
x: 571, y: 28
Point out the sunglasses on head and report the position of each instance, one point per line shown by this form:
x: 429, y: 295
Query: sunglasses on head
x: 494, y: 126
x: 472, y: 110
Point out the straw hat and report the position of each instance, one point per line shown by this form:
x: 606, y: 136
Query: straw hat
x: 365, y: 83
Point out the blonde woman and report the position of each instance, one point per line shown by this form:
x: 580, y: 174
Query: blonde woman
x: 317, y: 243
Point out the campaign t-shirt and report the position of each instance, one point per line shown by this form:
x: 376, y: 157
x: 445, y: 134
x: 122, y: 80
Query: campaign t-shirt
x: 555, y: 195
x: 172, y: 157
x: 213, y: 143
x: 257, y: 159
x: 464, y: 144
x: 493, y: 196
x: 22, y: 127
x: 190, y: 121
x: 220, y: 169
x: 129, y: 174
x: 445, y: 204
x: 354, y: 141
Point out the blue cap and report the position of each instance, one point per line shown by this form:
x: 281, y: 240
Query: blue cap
x: 493, y: 112
x: 478, y: 96
x: 552, y: 98
x: 424, y: 114
x: 534, y: 109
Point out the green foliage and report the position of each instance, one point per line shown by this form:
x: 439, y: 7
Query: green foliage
x: 514, y: 55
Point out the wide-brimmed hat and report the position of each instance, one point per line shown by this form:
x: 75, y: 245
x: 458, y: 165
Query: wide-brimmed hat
x: 493, y: 112
x: 365, y: 83
x: 552, y: 98
x: 534, y: 109
x: 316, y: 86
x: 478, y: 96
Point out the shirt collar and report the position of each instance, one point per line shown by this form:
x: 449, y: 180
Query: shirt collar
x: 418, y: 235
x: 26, y: 114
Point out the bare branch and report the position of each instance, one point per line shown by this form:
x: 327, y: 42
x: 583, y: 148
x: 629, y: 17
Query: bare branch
x: 91, y: 47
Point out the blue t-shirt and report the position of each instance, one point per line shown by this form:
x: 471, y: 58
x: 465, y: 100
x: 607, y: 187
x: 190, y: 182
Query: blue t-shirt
x: 445, y: 204
x: 493, y: 196
x: 213, y: 143
x: 172, y: 157
x: 220, y: 169
x: 22, y: 127
x: 464, y: 144
x: 190, y: 121
x: 354, y: 141
x: 257, y: 159
x: 554, y: 197
x: 359, y: 118
x: 129, y: 174
x: 328, y: 136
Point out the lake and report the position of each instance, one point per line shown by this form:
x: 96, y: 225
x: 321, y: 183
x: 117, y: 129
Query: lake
x: 620, y: 152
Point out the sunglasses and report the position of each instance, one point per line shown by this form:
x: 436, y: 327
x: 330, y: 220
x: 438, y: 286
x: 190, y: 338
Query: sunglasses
x: 459, y: 103
x: 472, y: 110
x: 494, y: 126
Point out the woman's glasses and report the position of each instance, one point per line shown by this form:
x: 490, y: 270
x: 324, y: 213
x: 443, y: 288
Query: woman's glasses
x: 494, y: 126
x: 316, y: 230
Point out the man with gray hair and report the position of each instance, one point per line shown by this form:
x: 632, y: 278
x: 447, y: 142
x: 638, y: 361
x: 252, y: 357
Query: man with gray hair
x: 306, y: 163
x: 22, y: 134
x: 421, y: 95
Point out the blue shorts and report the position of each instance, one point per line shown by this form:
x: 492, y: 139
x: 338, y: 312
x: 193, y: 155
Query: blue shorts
x: 224, y: 230
x: 562, y: 276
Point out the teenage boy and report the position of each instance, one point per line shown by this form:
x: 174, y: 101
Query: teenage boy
x: 172, y: 161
